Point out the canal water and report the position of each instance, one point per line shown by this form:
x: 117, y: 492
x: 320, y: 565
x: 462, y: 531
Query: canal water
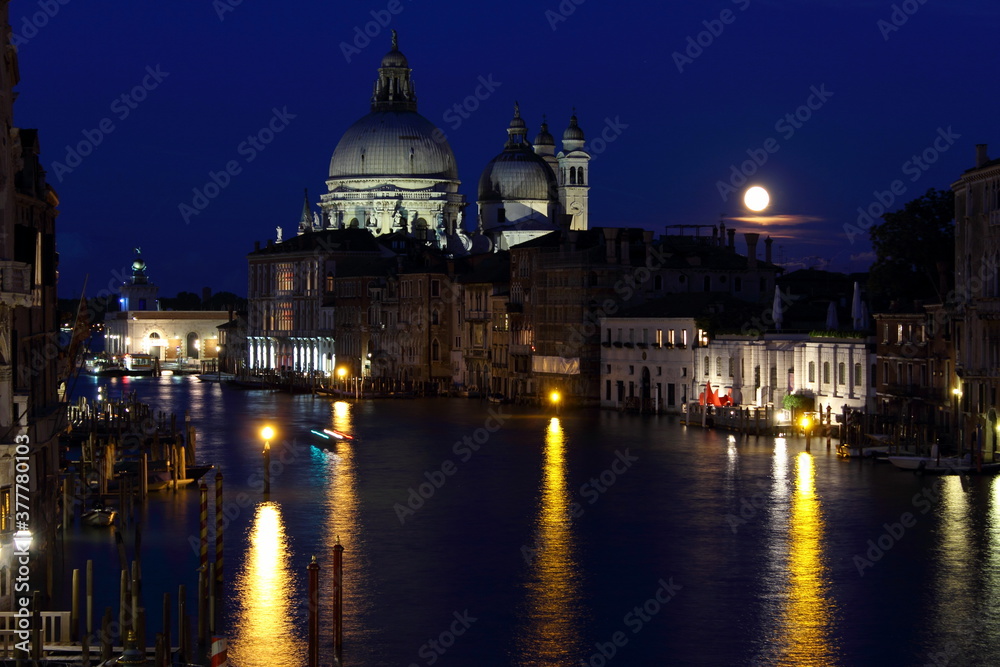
x: 479, y: 537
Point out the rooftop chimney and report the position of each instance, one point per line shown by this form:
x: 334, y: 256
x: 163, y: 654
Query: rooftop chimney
x: 767, y: 249
x: 751, y: 249
x: 609, y: 244
x: 981, y: 157
x: 722, y: 233
x: 732, y: 238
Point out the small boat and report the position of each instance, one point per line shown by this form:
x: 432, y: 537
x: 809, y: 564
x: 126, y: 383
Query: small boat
x: 942, y: 464
x: 139, y: 364
x: 496, y: 398
x: 331, y: 434
x: 99, y: 516
x: 216, y: 377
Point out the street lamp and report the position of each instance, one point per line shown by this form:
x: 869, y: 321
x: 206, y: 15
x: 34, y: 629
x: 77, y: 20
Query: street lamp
x: 555, y: 397
x: 341, y: 373
x: 957, y: 393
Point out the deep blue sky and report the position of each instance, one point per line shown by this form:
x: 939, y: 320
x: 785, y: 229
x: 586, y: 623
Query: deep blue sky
x: 611, y: 60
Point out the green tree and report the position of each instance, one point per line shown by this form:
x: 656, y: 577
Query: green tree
x: 183, y: 301
x: 914, y: 250
x: 225, y: 301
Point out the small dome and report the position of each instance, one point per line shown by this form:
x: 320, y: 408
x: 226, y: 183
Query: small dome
x: 544, y: 137
x: 139, y: 265
x: 394, y: 59
x: 573, y: 132
x: 517, y: 175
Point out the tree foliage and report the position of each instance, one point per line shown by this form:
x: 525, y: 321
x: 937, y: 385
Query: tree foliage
x: 914, y: 248
x: 183, y: 301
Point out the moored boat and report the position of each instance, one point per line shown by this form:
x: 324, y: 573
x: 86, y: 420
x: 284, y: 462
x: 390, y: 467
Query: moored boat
x: 942, y: 464
x: 216, y: 377
x: 99, y: 516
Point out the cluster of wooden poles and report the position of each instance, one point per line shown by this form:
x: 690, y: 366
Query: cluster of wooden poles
x: 338, y: 607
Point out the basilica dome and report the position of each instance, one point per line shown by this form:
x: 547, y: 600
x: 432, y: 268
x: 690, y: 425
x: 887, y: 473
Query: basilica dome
x: 517, y: 174
x: 393, y: 143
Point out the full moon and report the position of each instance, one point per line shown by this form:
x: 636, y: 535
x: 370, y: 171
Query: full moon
x: 756, y: 198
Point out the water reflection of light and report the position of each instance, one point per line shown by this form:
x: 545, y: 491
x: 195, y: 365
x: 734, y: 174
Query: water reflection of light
x: 264, y: 633
x: 955, y: 586
x: 341, y: 512
x: 342, y: 419
x: 806, y: 622
x: 551, y: 625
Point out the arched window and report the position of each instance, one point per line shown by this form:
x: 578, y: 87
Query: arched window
x: 579, y: 176
x: 572, y: 175
x: 857, y: 375
x: 435, y: 350
x: 826, y: 372
x: 708, y: 366
x: 812, y: 371
x: 841, y: 373
x: 718, y: 366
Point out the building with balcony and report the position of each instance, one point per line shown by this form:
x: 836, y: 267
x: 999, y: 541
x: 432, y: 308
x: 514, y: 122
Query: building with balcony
x: 32, y: 367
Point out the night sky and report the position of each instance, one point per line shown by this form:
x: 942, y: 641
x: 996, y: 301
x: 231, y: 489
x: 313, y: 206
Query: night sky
x: 885, y: 82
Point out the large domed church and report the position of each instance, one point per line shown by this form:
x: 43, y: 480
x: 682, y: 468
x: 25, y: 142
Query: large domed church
x: 393, y: 171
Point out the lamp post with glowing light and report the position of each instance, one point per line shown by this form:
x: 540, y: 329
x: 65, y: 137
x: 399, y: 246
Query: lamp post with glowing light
x: 806, y: 424
x: 267, y: 433
x: 957, y: 393
x: 555, y: 397
x: 342, y: 373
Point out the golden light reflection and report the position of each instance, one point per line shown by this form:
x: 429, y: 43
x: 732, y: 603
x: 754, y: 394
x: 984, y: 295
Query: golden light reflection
x: 806, y: 625
x: 264, y: 634
x: 342, y: 419
x: 551, y: 627
x: 342, y: 522
x: 955, y: 586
